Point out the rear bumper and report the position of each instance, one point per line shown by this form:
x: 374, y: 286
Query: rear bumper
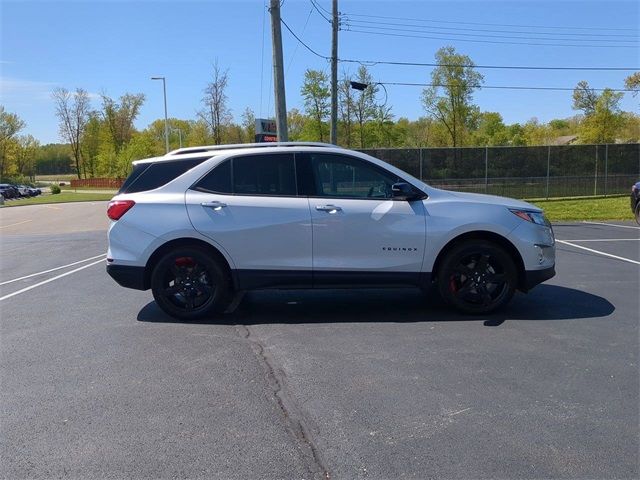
x: 127, y: 276
x: 535, y: 277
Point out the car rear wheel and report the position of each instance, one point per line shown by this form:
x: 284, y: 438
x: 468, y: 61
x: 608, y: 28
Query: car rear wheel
x: 477, y: 277
x: 188, y: 283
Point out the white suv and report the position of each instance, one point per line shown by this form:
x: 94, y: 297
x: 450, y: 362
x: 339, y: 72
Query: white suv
x: 200, y: 224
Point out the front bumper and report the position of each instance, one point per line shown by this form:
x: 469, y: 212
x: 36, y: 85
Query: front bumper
x: 535, y: 277
x: 128, y: 276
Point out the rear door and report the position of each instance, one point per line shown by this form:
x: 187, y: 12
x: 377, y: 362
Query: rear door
x: 360, y: 233
x: 249, y: 206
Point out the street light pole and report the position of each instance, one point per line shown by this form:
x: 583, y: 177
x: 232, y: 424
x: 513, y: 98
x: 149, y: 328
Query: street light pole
x: 166, y: 120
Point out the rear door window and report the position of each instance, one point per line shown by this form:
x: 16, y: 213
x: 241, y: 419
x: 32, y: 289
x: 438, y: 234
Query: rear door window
x: 270, y: 174
x: 264, y: 175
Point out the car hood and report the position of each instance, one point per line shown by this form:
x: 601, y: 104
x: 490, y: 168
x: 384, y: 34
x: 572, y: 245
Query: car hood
x: 494, y: 200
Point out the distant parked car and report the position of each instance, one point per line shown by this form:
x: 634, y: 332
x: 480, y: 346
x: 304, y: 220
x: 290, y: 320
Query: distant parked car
x: 23, y: 190
x: 9, y: 191
x: 35, y: 191
x: 6, y: 191
x: 635, y: 201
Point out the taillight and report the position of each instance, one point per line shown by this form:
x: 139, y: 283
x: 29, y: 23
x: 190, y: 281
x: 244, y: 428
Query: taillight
x: 117, y: 208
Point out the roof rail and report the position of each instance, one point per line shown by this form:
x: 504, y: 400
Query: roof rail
x: 211, y: 148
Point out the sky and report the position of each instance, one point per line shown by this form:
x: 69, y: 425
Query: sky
x: 116, y: 46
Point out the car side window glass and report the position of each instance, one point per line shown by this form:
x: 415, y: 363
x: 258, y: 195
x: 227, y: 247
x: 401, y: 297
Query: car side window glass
x: 272, y: 174
x: 217, y: 180
x: 347, y: 177
x: 157, y: 174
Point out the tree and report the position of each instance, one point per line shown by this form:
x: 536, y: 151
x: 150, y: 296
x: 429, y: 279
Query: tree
x: 602, y: 116
x: 296, y: 123
x: 449, y: 99
x: 632, y: 82
x: 365, y: 105
x: 346, y: 106
x: 317, y: 95
x: 10, y: 125
x: 216, y: 112
x: 119, y: 117
x: 26, y: 155
x: 384, y: 125
x: 249, y: 125
x: 92, y: 139
x: 72, y: 110
x: 584, y: 98
x: 491, y: 130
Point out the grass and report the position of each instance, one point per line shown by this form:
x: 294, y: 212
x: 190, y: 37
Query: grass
x: 600, y: 208
x: 64, y: 197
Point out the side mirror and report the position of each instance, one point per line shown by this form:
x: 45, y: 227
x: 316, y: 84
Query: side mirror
x: 404, y: 191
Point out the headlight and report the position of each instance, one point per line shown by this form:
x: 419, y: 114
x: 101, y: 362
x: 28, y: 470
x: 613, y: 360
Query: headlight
x: 533, y: 217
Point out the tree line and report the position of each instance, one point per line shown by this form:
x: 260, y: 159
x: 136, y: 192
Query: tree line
x: 103, y: 142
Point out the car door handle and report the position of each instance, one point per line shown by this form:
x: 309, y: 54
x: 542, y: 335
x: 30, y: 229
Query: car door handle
x: 328, y: 208
x: 214, y: 205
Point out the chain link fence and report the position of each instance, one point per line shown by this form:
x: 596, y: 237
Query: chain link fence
x: 523, y: 172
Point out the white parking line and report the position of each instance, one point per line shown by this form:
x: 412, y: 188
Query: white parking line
x: 595, y: 251
x: 607, y: 240
x: 53, y: 269
x: 612, y: 225
x: 14, y: 224
x: 31, y: 287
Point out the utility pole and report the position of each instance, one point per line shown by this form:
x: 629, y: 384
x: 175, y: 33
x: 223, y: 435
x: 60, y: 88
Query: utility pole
x: 278, y: 72
x: 166, y: 120
x: 333, y: 136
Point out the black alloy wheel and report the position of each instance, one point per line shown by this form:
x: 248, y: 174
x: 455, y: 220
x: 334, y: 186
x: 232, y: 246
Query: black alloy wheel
x: 187, y: 283
x: 477, y: 277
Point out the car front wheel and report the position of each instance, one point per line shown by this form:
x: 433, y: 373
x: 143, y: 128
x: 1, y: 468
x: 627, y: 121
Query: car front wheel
x: 187, y: 283
x: 477, y: 277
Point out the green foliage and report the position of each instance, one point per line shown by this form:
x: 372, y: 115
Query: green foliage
x: 632, y: 82
x: 55, y: 189
x: 53, y: 158
x: 119, y: 117
x: 10, y: 125
x: 603, y: 118
x: 449, y: 100
x: 316, y: 94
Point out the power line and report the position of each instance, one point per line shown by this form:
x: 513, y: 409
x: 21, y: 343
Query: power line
x: 324, y: 9
x: 317, y: 8
x: 303, y: 44
x: 487, y: 35
x: 427, y: 64
x: 297, y: 45
x: 491, y: 24
x: 436, y: 27
x: 502, y: 87
x: 488, y: 41
x: 489, y: 67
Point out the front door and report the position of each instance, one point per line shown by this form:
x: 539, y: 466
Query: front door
x: 360, y: 233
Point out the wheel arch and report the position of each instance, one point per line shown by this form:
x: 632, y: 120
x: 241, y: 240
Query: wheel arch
x: 185, y: 242
x: 493, y: 237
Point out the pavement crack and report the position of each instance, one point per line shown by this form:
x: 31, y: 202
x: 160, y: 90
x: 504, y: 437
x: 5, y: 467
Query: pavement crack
x: 294, y: 419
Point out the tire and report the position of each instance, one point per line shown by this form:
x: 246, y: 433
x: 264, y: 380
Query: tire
x: 189, y: 283
x: 637, y: 213
x: 477, y: 277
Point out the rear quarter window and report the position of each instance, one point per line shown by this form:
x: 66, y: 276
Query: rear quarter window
x: 149, y: 176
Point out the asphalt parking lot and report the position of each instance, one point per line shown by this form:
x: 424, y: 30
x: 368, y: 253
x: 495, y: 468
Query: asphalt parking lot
x: 98, y: 382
